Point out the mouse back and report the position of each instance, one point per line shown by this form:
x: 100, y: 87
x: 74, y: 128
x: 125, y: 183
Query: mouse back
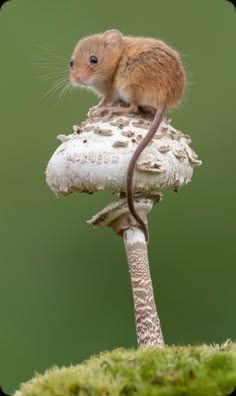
x: 150, y: 73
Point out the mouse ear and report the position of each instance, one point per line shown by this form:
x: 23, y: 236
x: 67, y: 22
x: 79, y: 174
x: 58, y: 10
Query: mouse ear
x: 112, y: 37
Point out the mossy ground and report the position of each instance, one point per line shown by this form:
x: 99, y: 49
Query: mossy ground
x: 192, y: 370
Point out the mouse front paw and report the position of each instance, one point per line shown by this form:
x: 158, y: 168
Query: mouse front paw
x: 98, y: 111
x: 91, y: 111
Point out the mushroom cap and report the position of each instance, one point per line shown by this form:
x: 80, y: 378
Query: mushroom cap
x: 96, y: 156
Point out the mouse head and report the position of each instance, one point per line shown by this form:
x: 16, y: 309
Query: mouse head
x: 95, y: 59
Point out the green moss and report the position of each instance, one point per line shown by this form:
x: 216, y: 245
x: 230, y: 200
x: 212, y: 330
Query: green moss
x: 192, y: 370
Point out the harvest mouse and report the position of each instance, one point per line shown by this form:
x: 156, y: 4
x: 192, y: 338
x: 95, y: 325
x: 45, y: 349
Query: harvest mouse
x: 141, y: 72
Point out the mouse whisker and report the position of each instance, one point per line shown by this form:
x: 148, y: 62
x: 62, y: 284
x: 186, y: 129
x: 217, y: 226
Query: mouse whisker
x: 55, y: 87
x: 48, y: 62
x: 64, y: 92
x: 49, y: 51
x: 51, y: 76
x: 50, y: 66
x: 46, y: 58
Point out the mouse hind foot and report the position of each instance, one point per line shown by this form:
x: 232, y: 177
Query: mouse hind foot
x: 131, y: 109
x: 109, y: 109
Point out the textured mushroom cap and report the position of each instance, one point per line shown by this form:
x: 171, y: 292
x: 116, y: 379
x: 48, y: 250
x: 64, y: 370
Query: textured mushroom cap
x: 96, y: 156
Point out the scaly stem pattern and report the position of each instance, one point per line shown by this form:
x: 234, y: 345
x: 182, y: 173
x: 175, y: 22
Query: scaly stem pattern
x: 148, y: 325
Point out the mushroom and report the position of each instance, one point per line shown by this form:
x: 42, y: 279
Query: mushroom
x: 95, y: 157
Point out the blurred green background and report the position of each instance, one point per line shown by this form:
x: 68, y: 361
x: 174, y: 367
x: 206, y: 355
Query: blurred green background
x: 64, y: 287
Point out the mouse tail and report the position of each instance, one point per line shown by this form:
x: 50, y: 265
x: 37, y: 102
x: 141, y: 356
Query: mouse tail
x: 131, y: 167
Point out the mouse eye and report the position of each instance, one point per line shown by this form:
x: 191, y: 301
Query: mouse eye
x: 71, y: 63
x: 93, y: 59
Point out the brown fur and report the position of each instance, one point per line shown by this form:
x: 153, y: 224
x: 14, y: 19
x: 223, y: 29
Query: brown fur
x: 142, y: 72
x: 138, y: 70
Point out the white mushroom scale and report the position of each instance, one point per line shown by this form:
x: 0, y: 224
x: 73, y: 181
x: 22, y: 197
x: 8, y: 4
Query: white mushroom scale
x: 96, y: 156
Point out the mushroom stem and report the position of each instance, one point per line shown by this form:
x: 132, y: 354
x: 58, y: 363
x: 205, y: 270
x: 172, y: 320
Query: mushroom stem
x: 117, y: 216
x: 148, y: 327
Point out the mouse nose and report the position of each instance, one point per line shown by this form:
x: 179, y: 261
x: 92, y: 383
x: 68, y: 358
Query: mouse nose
x: 80, y: 77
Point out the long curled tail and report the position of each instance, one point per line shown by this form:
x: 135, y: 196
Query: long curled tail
x: 131, y: 167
